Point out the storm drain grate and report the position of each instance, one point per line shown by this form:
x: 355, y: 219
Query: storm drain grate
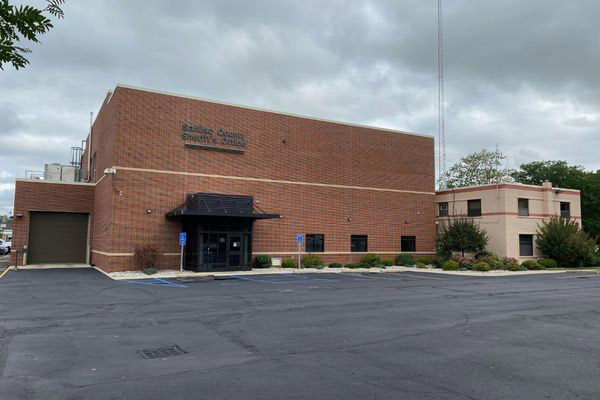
x: 162, y: 352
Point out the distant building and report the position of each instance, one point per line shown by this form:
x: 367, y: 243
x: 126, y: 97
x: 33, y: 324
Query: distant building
x: 6, y: 230
x: 509, y: 212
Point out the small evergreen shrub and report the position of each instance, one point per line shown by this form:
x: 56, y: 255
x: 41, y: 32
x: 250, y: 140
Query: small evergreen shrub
x: 547, y: 263
x: 451, y: 265
x: 421, y: 265
x: 405, y: 260
x: 437, y: 261
x: 288, y: 263
x: 351, y: 266
x: 146, y: 256
x: 388, y: 262
x: 311, y: 260
x: 370, y: 260
x: 263, y: 261
x: 481, y: 266
x: 492, y: 260
x: 335, y: 265
x: 531, y: 265
x: 463, y: 262
x: 424, y: 260
x: 563, y: 240
x: 510, y: 264
x: 149, y: 271
x: 461, y: 235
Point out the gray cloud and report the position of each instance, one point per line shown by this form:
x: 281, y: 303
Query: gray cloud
x: 523, y: 75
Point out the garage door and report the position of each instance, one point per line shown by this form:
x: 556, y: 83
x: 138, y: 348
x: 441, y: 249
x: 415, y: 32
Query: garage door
x: 57, y: 238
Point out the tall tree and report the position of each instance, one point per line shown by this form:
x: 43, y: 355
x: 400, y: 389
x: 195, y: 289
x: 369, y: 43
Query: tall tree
x: 566, y: 176
x: 23, y: 22
x: 478, y: 168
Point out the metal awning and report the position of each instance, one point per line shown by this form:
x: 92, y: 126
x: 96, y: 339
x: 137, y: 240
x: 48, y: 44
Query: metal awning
x: 219, y: 205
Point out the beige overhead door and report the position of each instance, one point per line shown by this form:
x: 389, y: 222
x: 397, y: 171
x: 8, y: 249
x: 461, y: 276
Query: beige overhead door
x: 56, y: 237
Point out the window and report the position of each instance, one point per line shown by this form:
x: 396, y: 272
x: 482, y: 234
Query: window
x: 408, y: 243
x: 474, y: 208
x: 443, y: 209
x: 315, y: 243
x: 358, y: 243
x: 523, y: 207
x: 565, y: 209
x: 526, y: 245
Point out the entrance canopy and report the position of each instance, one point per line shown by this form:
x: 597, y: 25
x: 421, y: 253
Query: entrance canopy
x: 219, y: 205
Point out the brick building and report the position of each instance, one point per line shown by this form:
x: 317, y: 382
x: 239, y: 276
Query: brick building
x: 239, y: 181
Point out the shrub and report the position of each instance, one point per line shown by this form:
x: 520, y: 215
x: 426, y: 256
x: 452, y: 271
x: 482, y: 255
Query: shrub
x: 421, y: 265
x: 437, y: 261
x: 405, y: 259
x: 510, y: 264
x: 492, y: 260
x: 547, y: 263
x: 370, y: 260
x: 351, y: 266
x: 311, y: 260
x: 288, y: 263
x: 481, y: 266
x: 388, y: 262
x: 424, y: 260
x: 146, y: 256
x: 564, y: 241
x: 462, y: 235
x: 531, y: 265
x: 149, y: 271
x: 335, y: 265
x: 463, y: 262
x: 483, y: 254
x: 450, y: 265
x: 263, y: 261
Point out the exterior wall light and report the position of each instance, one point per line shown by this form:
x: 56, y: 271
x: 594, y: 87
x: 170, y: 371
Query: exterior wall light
x: 349, y: 219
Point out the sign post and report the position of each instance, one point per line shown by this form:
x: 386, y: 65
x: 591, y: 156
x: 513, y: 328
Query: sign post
x: 182, y: 239
x: 299, y: 241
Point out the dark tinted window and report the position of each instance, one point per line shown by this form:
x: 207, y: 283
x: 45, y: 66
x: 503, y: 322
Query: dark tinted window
x: 474, y: 208
x: 526, y: 245
x: 408, y: 243
x: 315, y: 243
x: 443, y: 209
x: 359, y: 243
x: 523, y: 207
x: 565, y: 209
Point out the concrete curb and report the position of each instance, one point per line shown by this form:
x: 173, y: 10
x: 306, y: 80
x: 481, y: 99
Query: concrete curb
x: 274, y: 271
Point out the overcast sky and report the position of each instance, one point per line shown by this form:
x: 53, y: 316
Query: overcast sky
x: 522, y: 74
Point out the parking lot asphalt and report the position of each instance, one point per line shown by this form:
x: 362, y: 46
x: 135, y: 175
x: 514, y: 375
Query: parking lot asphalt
x: 76, y: 334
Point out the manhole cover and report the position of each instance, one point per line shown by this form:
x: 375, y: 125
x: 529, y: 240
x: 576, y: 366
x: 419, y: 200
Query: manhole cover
x: 162, y: 352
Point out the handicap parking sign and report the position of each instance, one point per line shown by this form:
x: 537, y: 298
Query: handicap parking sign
x: 299, y: 238
x: 182, y: 237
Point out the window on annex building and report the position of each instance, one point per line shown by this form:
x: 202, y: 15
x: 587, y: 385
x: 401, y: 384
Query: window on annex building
x: 523, y: 207
x: 315, y: 243
x: 474, y: 208
x: 443, y: 209
x: 359, y: 243
x: 565, y: 209
x: 525, y: 245
x: 408, y: 244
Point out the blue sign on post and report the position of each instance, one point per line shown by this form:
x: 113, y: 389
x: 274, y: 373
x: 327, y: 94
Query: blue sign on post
x: 299, y: 238
x: 182, y: 237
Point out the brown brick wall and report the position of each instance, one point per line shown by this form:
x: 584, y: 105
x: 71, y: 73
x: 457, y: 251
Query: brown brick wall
x: 45, y: 196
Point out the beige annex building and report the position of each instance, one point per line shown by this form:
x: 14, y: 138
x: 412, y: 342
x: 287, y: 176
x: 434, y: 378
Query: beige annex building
x: 509, y: 212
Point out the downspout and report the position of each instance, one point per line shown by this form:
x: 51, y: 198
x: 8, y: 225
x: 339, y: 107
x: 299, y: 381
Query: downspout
x: 89, y: 146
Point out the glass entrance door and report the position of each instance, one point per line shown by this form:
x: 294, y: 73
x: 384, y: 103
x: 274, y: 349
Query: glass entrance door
x: 223, y: 250
x: 235, y: 250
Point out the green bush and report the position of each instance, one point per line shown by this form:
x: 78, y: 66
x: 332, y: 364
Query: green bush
x: 388, y: 262
x: 450, y: 265
x: 437, y: 261
x: 311, y: 260
x: 421, y: 265
x: 510, y: 264
x: 149, y: 271
x: 370, y: 260
x: 405, y: 260
x: 289, y: 263
x: 547, y: 263
x: 492, y: 260
x: 263, y: 261
x: 351, y: 266
x: 461, y: 235
x: 531, y: 265
x: 563, y: 240
x: 335, y: 265
x: 481, y: 266
x: 424, y: 260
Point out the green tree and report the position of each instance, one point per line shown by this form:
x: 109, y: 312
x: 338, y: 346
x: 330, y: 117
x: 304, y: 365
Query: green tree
x: 23, y: 22
x: 568, y: 176
x: 461, y: 235
x: 563, y: 241
x: 477, y: 168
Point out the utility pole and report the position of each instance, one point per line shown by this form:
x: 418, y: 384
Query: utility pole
x: 441, y: 121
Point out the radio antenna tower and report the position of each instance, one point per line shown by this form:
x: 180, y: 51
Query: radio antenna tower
x: 441, y: 122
